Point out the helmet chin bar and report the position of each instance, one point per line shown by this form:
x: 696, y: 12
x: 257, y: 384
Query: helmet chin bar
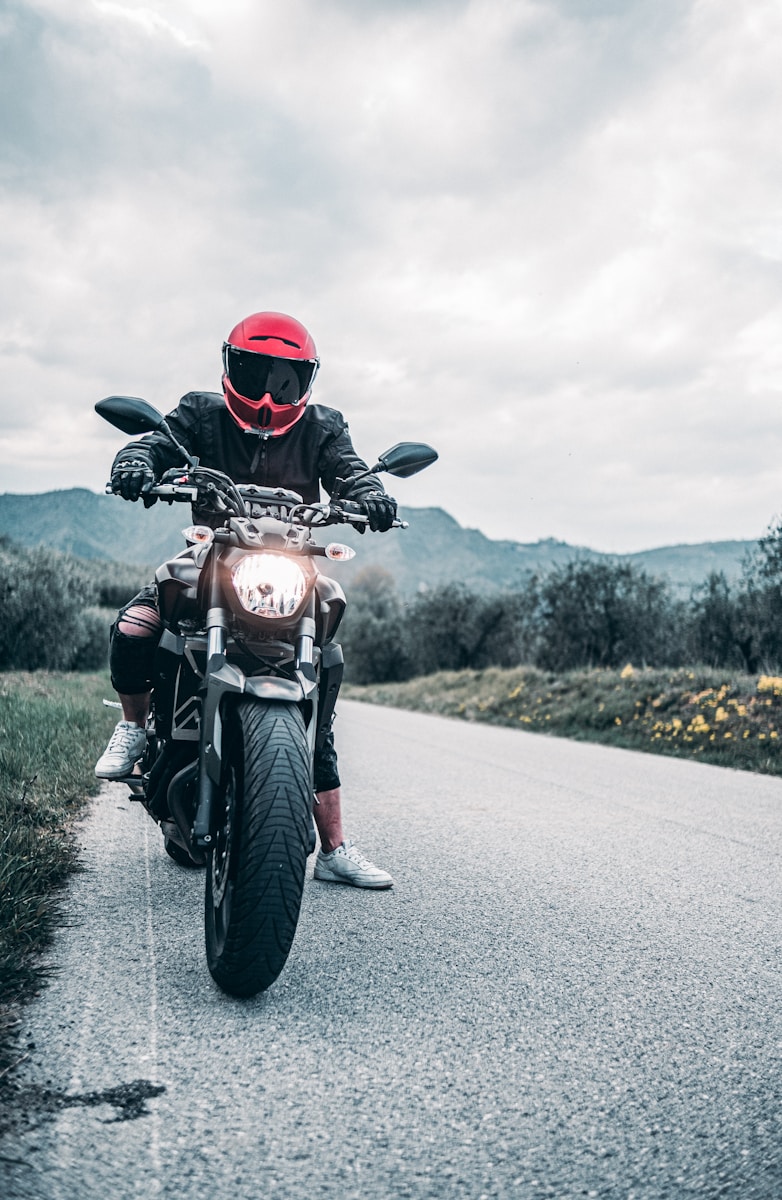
x: 271, y: 420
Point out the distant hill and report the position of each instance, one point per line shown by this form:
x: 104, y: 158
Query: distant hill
x: 435, y: 549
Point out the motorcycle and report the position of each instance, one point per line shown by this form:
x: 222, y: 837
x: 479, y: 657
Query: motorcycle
x: 246, y: 677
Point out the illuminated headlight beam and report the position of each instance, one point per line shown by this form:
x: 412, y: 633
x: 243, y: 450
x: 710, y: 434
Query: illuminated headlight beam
x: 269, y: 585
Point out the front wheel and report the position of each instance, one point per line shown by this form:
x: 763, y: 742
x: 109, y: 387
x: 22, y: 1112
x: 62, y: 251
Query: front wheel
x: 255, y: 873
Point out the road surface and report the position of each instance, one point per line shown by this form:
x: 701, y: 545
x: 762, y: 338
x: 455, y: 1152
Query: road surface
x: 573, y: 990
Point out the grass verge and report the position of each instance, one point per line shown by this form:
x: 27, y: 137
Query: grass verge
x: 52, y: 729
x: 695, y: 712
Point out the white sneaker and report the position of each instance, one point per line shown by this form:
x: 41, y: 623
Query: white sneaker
x: 125, y: 748
x: 347, y: 864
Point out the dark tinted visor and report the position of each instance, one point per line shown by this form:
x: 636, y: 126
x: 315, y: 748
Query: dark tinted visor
x: 253, y: 375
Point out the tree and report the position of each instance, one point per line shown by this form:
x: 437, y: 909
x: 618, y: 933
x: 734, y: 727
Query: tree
x: 758, y: 605
x: 373, y: 633
x: 718, y: 635
x: 603, y: 614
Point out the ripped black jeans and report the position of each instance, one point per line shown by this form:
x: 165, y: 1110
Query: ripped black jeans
x: 132, y: 661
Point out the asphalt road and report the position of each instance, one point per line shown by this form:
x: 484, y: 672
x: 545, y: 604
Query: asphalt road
x: 573, y: 990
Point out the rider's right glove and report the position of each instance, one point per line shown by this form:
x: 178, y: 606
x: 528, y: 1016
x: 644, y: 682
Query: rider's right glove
x: 131, y: 478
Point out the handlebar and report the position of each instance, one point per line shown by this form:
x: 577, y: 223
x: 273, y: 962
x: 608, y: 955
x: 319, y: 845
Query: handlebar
x: 186, y: 493
x: 174, y: 491
x: 344, y: 512
x: 341, y: 512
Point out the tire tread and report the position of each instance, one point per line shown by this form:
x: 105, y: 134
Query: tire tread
x: 272, y: 851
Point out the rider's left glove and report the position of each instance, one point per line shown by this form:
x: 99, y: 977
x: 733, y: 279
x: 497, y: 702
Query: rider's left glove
x: 381, y: 510
x: 131, y: 478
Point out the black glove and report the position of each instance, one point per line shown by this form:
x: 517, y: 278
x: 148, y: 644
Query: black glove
x: 381, y: 510
x: 132, y: 477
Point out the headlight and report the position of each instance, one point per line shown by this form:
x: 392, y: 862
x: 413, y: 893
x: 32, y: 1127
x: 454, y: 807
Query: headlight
x: 269, y: 585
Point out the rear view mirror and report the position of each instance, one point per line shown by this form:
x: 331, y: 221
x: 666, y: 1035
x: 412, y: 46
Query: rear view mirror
x: 134, y: 416
x: 130, y: 414
x: 406, y: 458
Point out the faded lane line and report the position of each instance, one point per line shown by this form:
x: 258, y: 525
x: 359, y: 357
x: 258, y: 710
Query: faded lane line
x: 67, y: 1121
x: 154, y: 1142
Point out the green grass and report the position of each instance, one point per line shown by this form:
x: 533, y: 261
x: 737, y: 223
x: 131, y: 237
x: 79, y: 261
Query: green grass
x: 698, y: 713
x: 52, y: 729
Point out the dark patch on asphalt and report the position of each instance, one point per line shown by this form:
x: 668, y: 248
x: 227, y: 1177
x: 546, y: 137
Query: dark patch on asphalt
x: 26, y: 1106
x: 129, y: 1099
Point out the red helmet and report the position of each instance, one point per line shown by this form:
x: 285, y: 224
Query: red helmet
x: 269, y: 364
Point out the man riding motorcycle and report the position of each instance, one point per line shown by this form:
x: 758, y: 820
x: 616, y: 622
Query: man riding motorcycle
x: 260, y: 430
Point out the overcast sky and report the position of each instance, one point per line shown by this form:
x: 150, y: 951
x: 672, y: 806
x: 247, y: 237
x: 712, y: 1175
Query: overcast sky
x: 544, y: 236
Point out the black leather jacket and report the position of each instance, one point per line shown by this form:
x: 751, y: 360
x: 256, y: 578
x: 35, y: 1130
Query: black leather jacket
x: 317, y: 450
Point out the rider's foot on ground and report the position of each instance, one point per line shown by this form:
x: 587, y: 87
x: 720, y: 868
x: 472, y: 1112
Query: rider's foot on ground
x: 125, y: 748
x: 347, y: 864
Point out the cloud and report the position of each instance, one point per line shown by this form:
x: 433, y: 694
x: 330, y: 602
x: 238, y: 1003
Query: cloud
x: 151, y: 22
x: 542, y: 235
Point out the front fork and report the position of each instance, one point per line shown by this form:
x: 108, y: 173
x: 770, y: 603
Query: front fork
x: 216, y: 642
x: 223, y: 678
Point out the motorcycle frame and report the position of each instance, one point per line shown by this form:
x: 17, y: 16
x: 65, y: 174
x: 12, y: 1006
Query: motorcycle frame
x: 317, y: 675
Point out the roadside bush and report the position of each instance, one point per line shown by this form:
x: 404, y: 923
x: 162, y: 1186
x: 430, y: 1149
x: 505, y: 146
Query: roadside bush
x: 93, y: 654
x: 45, y: 611
x: 759, y: 604
x: 118, y: 583
x: 718, y: 627
x: 454, y: 628
x: 741, y: 626
x: 604, y: 614
x: 374, y: 631
x: 759, y: 621
x: 585, y: 614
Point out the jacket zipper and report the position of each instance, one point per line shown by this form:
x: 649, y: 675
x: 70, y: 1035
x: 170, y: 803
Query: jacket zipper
x: 259, y: 458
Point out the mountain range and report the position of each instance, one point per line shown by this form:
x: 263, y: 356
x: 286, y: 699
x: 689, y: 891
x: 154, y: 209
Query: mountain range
x: 434, y: 549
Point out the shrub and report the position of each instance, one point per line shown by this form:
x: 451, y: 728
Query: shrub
x: 454, y: 628
x: 604, y: 614
x: 46, y: 617
x: 374, y: 631
x: 118, y: 583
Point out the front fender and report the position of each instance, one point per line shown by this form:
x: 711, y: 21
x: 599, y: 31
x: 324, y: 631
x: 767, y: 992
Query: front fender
x: 226, y: 679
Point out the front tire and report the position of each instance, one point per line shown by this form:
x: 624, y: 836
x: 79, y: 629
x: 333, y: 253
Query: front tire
x: 255, y: 872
